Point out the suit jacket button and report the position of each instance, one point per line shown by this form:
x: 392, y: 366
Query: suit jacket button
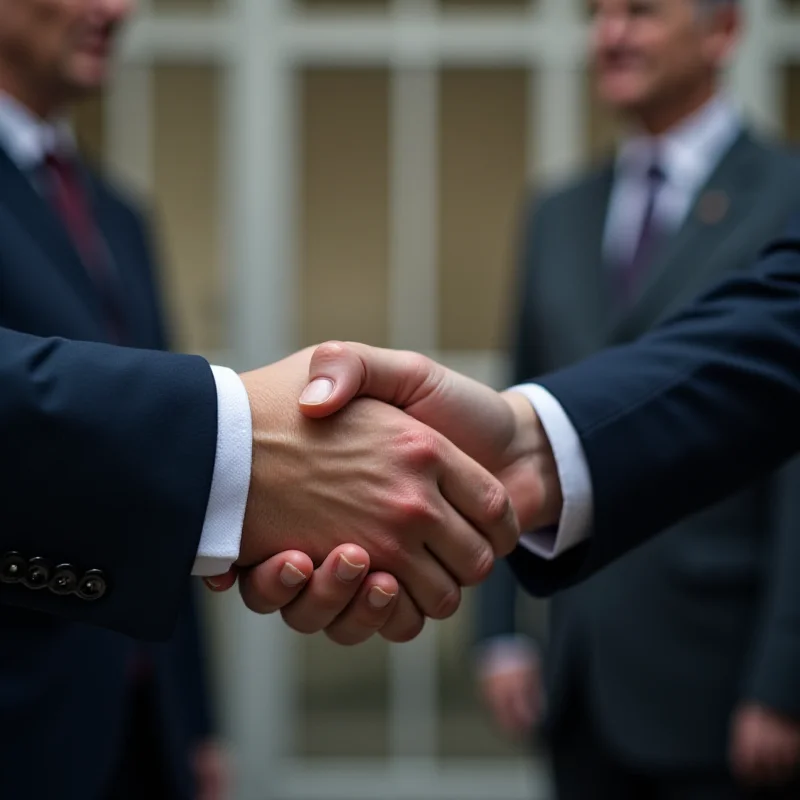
x: 64, y: 580
x: 12, y: 568
x: 38, y: 574
x: 92, y: 586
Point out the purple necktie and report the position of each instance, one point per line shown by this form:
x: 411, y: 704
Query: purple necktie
x: 633, y: 272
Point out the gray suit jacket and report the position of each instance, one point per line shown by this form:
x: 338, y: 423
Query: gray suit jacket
x: 664, y: 644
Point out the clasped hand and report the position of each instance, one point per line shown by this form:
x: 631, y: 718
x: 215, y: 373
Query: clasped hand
x: 393, y: 483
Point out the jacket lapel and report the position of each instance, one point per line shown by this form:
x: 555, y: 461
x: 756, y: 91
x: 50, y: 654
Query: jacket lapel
x: 45, y: 229
x: 587, y: 277
x: 130, y: 262
x: 688, y: 259
x: 114, y: 253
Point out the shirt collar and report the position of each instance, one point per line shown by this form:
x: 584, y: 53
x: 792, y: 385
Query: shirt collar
x: 689, y: 150
x: 28, y: 139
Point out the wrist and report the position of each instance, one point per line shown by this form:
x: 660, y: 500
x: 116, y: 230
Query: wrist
x: 252, y: 512
x: 539, y: 495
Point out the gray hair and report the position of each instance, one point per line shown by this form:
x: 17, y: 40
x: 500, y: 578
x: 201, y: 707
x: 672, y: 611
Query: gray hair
x: 709, y: 4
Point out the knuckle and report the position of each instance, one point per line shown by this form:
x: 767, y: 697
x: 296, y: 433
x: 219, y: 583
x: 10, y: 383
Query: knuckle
x: 417, y: 365
x: 389, y: 550
x: 346, y: 636
x: 500, y: 519
x: 448, y: 604
x: 328, y: 351
x: 496, y: 503
x: 255, y: 599
x: 417, y: 447
x: 412, y: 508
x: 483, y: 564
x: 258, y: 606
x: 300, y: 624
x: 406, y: 632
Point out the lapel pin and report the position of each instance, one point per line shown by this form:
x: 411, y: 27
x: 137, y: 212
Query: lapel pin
x: 712, y: 207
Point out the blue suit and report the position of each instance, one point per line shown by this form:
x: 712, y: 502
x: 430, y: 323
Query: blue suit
x: 65, y: 686
x: 711, y: 395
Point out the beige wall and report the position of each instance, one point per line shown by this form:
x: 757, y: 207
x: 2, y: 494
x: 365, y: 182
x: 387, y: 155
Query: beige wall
x: 343, y: 236
x: 343, y: 233
x: 482, y: 168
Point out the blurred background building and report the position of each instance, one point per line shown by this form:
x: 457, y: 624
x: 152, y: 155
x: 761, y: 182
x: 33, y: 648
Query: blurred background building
x: 354, y: 169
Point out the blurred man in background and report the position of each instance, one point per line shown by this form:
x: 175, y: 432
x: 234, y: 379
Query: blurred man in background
x: 670, y: 675
x: 84, y: 713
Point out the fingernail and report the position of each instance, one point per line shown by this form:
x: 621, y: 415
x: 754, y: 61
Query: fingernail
x: 318, y: 391
x: 377, y: 598
x: 211, y: 583
x: 291, y: 576
x: 347, y: 570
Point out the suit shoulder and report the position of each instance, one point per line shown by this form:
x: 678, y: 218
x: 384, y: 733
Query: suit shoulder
x: 787, y: 158
x: 570, y: 189
x: 783, y: 168
x: 778, y: 154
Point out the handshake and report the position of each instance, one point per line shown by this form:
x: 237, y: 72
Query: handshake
x: 381, y: 484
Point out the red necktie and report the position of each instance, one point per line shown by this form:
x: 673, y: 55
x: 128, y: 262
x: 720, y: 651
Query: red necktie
x: 73, y: 208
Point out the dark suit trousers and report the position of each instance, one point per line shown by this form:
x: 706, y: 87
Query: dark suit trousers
x: 141, y: 772
x: 585, y: 769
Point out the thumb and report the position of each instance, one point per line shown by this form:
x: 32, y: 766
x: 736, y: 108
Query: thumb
x: 339, y: 372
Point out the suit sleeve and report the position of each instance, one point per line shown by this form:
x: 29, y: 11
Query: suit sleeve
x: 107, y: 460
x: 685, y: 416
x: 773, y: 676
x: 497, y: 597
x: 189, y: 640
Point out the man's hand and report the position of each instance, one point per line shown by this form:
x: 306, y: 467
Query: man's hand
x: 513, y: 692
x: 341, y: 597
x: 421, y: 508
x: 211, y: 771
x: 765, y: 746
x: 500, y: 431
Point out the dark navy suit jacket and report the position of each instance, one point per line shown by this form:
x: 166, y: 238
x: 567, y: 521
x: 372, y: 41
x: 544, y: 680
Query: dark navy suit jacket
x: 63, y: 683
x: 686, y: 415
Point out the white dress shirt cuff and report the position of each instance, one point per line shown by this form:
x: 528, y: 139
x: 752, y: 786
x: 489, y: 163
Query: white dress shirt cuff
x: 573, y: 472
x: 222, y: 530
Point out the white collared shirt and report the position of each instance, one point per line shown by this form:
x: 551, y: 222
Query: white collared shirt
x: 688, y: 154
x: 27, y: 138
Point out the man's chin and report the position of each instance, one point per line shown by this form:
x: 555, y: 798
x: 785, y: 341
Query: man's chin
x: 622, y: 97
x: 88, y: 74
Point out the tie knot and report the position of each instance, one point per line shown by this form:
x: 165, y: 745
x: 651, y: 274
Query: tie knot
x: 57, y: 161
x: 655, y: 174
